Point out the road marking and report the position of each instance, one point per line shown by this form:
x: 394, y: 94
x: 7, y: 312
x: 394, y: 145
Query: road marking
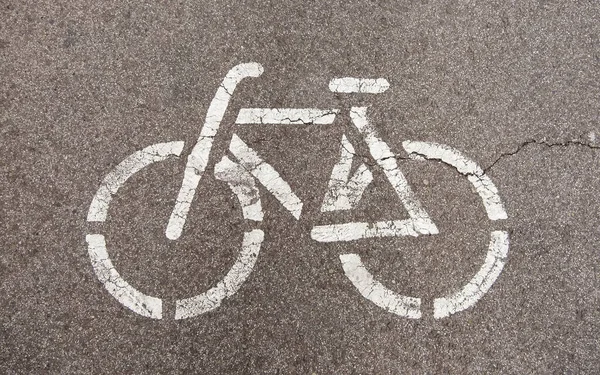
x: 480, y: 283
x: 375, y: 292
x: 387, y: 161
x: 286, y: 116
x: 266, y: 175
x: 344, y: 192
x: 198, y: 158
x: 243, y: 185
x: 482, y: 183
x: 231, y: 283
x: 130, y: 297
x: 123, y: 171
x: 349, y: 85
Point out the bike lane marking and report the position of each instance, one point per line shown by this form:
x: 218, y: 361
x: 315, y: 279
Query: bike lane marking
x: 127, y: 295
x: 240, y: 177
x: 485, y: 277
x: 244, y: 187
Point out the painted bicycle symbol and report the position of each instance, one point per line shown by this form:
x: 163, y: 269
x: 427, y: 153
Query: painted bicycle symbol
x: 246, y: 170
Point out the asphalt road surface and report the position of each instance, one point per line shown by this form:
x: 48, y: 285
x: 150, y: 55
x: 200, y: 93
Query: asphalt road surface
x: 513, y: 86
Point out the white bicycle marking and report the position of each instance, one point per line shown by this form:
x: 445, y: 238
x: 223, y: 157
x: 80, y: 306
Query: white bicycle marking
x: 266, y: 175
x: 387, y: 161
x: 482, y: 183
x: 127, y: 168
x: 344, y: 192
x: 198, y: 159
x: 239, y: 272
x: 286, y: 116
x: 480, y: 283
x: 130, y: 297
x: 349, y: 85
x: 375, y: 292
x: 243, y: 185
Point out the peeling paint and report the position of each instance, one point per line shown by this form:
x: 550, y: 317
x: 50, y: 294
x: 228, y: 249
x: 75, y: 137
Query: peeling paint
x: 349, y: 85
x: 266, y: 175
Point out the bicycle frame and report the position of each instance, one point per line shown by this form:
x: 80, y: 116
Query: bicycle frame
x: 419, y: 222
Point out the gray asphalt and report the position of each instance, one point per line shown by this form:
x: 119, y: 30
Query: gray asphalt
x: 513, y: 85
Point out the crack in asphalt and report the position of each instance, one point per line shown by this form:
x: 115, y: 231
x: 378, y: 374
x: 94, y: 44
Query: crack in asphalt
x: 503, y: 155
x: 542, y: 143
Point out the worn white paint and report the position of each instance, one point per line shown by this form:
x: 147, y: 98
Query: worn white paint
x: 123, y: 171
x: 344, y: 192
x: 387, y: 161
x: 286, y: 116
x: 359, y: 85
x: 480, y: 283
x: 482, y: 183
x: 357, y: 230
x: 198, y: 158
x: 243, y: 185
x: 130, y: 297
x: 266, y: 175
x: 375, y: 292
x: 239, y: 272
